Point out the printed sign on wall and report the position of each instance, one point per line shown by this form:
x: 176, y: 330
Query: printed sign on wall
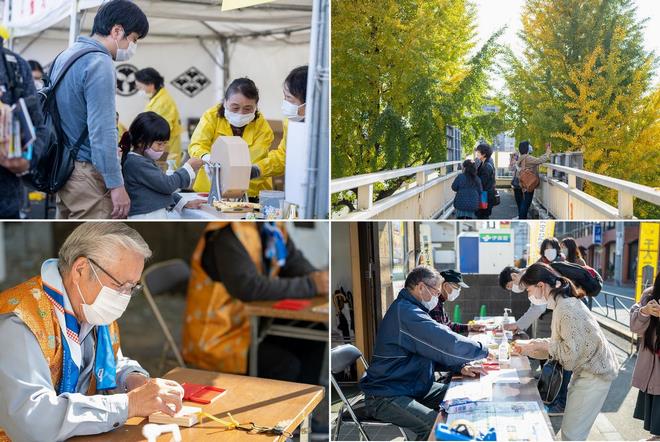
x: 191, y: 82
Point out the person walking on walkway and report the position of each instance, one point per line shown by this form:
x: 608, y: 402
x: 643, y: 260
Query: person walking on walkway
x: 645, y: 321
x: 526, y: 176
x: 468, y: 191
x: 486, y: 173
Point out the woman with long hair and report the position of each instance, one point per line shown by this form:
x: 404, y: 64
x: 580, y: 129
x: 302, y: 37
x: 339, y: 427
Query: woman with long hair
x: 570, y: 250
x: 486, y: 173
x: 645, y: 321
x: 577, y: 343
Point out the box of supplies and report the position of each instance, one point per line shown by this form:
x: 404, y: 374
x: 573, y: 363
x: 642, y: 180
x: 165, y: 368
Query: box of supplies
x: 233, y: 155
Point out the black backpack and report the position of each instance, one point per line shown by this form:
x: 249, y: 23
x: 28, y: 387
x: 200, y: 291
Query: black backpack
x: 584, y: 277
x: 55, y: 164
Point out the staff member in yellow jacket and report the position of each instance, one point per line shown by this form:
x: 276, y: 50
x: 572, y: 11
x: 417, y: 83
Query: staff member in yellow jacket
x: 293, y: 108
x: 237, y: 116
x: 151, y: 84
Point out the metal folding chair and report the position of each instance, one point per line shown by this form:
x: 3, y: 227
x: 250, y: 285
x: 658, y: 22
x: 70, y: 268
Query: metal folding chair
x: 341, y: 358
x: 161, y: 278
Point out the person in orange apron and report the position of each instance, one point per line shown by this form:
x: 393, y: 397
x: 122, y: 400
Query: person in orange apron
x: 62, y: 372
x: 235, y: 263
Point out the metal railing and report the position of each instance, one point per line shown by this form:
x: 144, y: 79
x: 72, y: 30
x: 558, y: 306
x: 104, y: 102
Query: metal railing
x: 616, y: 300
x: 364, y: 184
x: 566, y: 201
x: 614, y: 316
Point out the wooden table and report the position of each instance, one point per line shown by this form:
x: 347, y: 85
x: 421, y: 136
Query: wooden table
x: 301, y: 325
x: 262, y: 401
x: 526, y: 391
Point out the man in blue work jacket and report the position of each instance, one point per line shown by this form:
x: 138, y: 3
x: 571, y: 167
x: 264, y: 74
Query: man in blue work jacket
x: 400, y: 385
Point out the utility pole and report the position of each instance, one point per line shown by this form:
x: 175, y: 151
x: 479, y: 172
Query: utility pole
x: 618, y: 253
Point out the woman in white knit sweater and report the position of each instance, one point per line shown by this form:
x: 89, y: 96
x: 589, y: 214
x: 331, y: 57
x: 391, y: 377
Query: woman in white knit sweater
x: 577, y: 342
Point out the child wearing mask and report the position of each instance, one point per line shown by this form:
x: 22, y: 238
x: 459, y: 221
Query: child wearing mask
x: 152, y: 192
x: 468, y: 191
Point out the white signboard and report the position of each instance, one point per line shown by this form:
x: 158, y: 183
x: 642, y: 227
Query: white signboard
x: 297, y: 164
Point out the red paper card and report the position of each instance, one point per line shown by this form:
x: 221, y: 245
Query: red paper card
x: 292, y: 304
x: 201, y: 394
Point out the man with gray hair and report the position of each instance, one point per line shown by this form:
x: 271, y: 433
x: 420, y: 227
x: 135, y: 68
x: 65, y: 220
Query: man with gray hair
x: 400, y: 385
x: 62, y: 372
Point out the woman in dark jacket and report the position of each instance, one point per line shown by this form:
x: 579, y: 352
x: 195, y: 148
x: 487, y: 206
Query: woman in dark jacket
x: 486, y: 173
x: 468, y: 191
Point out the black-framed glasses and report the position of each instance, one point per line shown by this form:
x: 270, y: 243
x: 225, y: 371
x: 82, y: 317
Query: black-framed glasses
x: 124, y: 288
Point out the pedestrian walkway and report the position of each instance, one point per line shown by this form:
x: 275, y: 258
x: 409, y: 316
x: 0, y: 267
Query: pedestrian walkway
x: 507, y: 208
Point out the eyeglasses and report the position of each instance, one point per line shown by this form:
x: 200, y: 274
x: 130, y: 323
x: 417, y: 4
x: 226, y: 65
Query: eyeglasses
x: 434, y: 291
x: 124, y: 288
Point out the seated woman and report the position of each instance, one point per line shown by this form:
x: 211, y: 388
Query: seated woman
x: 236, y: 116
x: 577, y: 343
x: 152, y: 192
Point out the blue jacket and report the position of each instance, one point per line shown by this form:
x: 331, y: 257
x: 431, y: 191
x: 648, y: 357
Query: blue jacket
x: 468, y: 192
x: 409, y: 345
x: 86, y: 98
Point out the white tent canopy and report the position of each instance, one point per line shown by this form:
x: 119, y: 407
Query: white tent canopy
x: 261, y: 42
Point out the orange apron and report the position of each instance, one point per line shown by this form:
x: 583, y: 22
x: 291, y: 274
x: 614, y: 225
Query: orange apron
x: 30, y: 303
x: 216, y: 331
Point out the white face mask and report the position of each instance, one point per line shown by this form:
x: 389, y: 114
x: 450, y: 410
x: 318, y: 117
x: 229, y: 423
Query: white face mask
x: 142, y: 93
x: 38, y: 84
x: 564, y: 251
x: 550, y: 254
x: 537, y: 301
x: 108, y: 307
x: 515, y: 288
x: 430, y: 305
x: 125, y: 54
x: 290, y: 111
x: 239, y: 120
x: 453, y: 294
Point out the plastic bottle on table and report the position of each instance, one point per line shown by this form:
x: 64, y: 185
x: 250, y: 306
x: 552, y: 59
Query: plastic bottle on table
x: 503, y: 351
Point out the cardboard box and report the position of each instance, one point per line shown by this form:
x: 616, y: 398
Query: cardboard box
x: 233, y: 155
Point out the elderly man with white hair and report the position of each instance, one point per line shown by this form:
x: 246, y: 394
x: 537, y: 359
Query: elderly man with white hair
x: 62, y: 372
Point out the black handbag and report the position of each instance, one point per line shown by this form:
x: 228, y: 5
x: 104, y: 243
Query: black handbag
x: 552, y: 376
x: 497, y: 198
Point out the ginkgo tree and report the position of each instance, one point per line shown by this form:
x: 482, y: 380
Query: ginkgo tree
x: 584, y: 82
x: 401, y: 71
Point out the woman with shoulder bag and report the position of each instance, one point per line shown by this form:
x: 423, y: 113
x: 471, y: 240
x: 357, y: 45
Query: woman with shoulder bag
x: 576, y: 342
x: 527, y: 174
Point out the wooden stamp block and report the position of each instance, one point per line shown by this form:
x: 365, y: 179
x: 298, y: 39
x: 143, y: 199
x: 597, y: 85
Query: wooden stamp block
x: 187, y: 417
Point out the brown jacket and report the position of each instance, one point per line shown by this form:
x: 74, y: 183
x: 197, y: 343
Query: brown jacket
x: 646, y: 376
x: 529, y: 162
